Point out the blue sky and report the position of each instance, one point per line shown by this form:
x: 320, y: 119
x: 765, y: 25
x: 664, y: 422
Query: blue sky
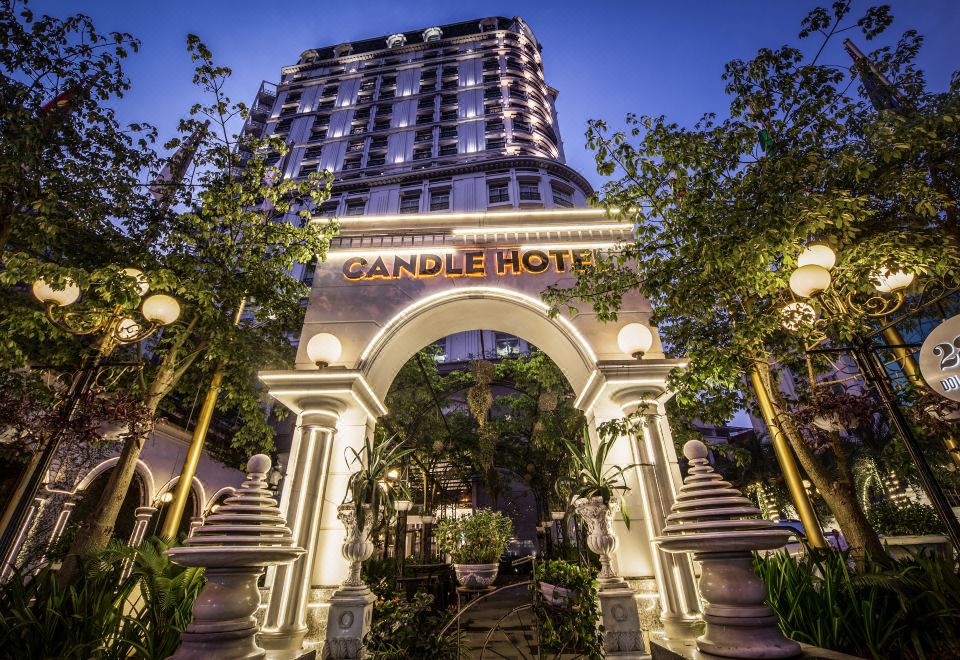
x: 606, y: 58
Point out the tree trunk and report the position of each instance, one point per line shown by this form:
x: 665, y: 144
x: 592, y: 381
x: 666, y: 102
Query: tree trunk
x: 838, y: 491
x: 95, y: 532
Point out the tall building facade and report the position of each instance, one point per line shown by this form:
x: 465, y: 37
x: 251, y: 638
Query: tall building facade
x: 456, y: 210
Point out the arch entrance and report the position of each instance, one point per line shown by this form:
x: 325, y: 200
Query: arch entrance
x: 440, y: 274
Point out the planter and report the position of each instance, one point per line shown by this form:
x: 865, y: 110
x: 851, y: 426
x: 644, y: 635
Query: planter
x: 908, y: 547
x: 356, y: 547
x: 476, y: 576
x: 601, y: 539
x: 558, y: 596
x: 558, y: 515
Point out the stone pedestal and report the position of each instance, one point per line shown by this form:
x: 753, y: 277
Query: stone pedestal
x: 351, y: 611
x: 624, y: 637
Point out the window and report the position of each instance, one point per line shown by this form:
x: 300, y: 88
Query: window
x: 448, y: 115
x: 496, y: 143
x: 351, y: 163
x: 448, y: 132
x: 326, y: 105
x: 507, y: 345
x: 283, y: 126
x: 520, y: 125
x: 308, y: 169
x: 439, y: 200
x: 425, y: 103
x: 356, y: 206
x: 355, y: 146
x: 448, y: 150
x: 448, y: 99
x: 328, y: 209
x: 498, y: 192
x: 422, y: 154
x: 424, y: 136
x: 358, y: 130
x: 495, y: 126
x: 562, y: 197
x: 381, y: 125
x: 410, y: 202
x: 378, y: 143
x: 312, y: 152
x: 387, y: 93
x: 529, y: 190
x: 492, y: 93
x: 376, y: 161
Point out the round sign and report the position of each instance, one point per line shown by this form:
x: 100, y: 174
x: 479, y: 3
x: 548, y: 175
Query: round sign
x: 940, y: 359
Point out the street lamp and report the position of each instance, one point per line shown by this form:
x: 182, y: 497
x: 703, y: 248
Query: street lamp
x: 323, y: 349
x: 635, y: 339
x: 112, y: 326
x: 812, y: 280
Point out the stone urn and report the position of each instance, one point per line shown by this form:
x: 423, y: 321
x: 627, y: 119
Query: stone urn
x: 721, y: 527
x: 476, y: 576
x: 601, y: 538
x: 235, y: 544
x: 357, y: 547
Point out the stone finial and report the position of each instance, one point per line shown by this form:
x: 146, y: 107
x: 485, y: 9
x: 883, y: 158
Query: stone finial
x: 246, y: 534
x: 249, y: 518
x: 713, y: 520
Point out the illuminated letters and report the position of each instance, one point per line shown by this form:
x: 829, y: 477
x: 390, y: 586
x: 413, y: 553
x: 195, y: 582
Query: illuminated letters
x: 466, y: 263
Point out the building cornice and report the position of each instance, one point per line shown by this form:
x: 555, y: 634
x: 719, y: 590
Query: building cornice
x: 487, y: 165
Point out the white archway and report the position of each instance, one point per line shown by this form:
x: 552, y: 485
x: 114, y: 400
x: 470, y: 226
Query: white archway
x: 475, y: 308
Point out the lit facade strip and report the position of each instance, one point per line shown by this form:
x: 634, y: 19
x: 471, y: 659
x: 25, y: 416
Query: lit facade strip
x: 523, y: 229
x: 472, y: 215
x: 466, y: 291
x: 603, y: 245
x: 372, y: 252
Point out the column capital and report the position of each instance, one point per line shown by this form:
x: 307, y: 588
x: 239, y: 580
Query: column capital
x: 320, y: 397
x: 629, y: 383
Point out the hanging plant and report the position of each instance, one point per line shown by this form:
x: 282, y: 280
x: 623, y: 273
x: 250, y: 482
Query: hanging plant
x: 547, y: 402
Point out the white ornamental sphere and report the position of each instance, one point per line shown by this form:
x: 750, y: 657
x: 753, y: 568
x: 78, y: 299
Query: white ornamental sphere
x: 888, y: 282
x: 809, y: 280
x: 161, y: 309
x: 324, y: 349
x: 635, y: 339
x: 818, y: 254
x: 60, y: 297
x: 135, y: 273
x: 797, y: 315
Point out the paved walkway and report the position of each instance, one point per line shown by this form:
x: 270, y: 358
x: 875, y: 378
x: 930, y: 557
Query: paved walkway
x: 509, y: 614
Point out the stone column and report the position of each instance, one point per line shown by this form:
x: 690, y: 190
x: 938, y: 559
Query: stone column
x: 659, y: 478
x: 285, y: 624
x: 142, y: 517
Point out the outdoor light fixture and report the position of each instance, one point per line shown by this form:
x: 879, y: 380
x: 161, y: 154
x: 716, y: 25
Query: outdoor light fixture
x: 323, y: 348
x: 635, y: 339
x: 166, y: 498
x: 797, y: 315
x: 161, y: 309
x: 142, y: 285
x: 817, y: 254
x: 61, y: 298
x: 393, y: 473
x: 809, y: 280
x: 889, y: 282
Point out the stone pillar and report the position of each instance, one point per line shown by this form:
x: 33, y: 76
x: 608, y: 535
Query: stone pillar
x: 62, y: 520
x: 142, y: 517
x: 285, y: 624
x: 659, y: 478
x: 10, y: 561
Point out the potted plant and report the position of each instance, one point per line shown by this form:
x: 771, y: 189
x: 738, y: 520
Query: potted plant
x: 368, y: 491
x: 909, y: 528
x: 475, y: 543
x: 568, y: 613
x: 597, y: 493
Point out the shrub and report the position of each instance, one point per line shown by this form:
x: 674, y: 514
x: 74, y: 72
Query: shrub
x: 906, y: 519
x: 575, y: 628
x: 909, y: 611
x: 104, y: 614
x: 404, y: 629
x: 477, y: 538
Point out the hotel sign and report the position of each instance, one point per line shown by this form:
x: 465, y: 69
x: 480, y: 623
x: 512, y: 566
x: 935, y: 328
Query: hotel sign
x: 463, y: 263
x: 940, y: 359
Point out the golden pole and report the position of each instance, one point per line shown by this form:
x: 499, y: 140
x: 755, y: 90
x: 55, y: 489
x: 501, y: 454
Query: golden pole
x: 788, y: 465
x: 912, y: 371
x: 171, y: 523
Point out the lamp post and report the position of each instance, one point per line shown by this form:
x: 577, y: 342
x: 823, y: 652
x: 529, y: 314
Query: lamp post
x: 812, y: 280
x: 111, y: 327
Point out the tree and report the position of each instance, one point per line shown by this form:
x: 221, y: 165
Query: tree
x: 225, y: 249
x: 722, y: 208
